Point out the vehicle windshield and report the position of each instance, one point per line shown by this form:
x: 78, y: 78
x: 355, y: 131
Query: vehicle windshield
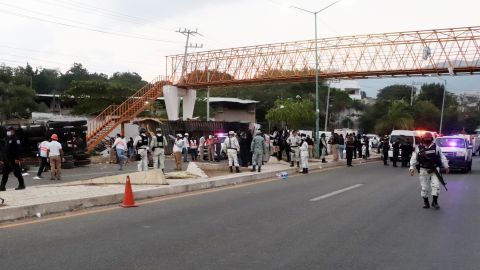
x: 401, y: 138
x: 451, y: 142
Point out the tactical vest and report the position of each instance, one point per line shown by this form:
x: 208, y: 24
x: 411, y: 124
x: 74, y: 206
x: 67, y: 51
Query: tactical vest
x: 159, y: 141
x: 143, y: 142
x: 428, y: 157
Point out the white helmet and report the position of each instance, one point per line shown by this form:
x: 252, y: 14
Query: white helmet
x: 231, y: 132
x: 179, y: 135
x: 186, y: 134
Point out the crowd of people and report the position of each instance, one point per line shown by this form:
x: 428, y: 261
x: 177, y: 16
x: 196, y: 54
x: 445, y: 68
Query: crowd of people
x: 242, y: 148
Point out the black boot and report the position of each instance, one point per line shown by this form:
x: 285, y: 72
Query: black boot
x: 291, y: 164
x: 231, y: 169
x: 259, y: 168
x: 303, y: 170
x: 298, y: 164
x: 253, y: 168
x: 237, y: 169
x: 435, y: 203
x: 323, y: 160
x: 426, y: 203
x: 306, y: 170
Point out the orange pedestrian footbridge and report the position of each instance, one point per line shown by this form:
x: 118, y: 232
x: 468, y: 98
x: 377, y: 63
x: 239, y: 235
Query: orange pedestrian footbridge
x: 454, y: 51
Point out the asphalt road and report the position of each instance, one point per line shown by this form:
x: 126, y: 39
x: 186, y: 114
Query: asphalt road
x: 365, y: 217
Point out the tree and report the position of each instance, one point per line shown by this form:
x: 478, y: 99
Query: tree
x: 426, y: 115
x: 128, y: 79
x: 395, y: 92
x: 93, y: 97
x: 295, y: 114
x: 46, y: 81
x: 434, y: 93
x: 398, y: 117
x: 6, y: 74
x: 78, y: 73
x: 17, y: 101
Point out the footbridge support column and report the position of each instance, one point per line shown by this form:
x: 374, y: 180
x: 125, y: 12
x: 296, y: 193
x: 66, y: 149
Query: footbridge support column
x: 172, y: 95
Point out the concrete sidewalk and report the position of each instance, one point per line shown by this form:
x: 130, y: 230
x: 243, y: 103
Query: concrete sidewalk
x: 43, y: 200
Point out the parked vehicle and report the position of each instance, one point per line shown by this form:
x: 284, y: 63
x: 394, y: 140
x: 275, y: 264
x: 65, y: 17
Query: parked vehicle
x: 458, y: 150
x: 412, y: 136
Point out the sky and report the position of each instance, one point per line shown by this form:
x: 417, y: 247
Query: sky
x: 125, y: 35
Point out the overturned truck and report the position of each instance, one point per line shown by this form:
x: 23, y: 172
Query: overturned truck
x: 71, y: 135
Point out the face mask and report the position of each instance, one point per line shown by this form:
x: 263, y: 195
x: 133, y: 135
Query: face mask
x: 159, y: 134
x: 9, y: 133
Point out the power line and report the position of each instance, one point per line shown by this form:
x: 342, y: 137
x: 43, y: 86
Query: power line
x: 86, y: 28
x: 113, y: 13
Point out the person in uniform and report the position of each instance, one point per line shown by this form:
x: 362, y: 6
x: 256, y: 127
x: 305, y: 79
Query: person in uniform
x: 304, y: 153
x: 257, y: 147
x: 142, y: 146
x: 349, y: 149
x: 233, y: 147
x: 323, y: 147
x: 158, y: 144
x: 10, y: 160
x: 407, y: 150
x: 385, y: 146
x: 396, y: 152
x: 428, y: 158
x: 355, y: 142
x: 294, y: 142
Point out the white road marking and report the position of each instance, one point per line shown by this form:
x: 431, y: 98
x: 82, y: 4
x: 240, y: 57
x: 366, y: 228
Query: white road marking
x: 335, y: 193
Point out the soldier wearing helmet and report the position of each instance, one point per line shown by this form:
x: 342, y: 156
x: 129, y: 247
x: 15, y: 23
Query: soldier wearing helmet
x: 428, y: 158
x: 10, y: 160
x: 158, y: 144
x: 141, y: 143
x: 233, y: 148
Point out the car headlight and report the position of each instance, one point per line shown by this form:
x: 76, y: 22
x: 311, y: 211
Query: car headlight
x: 460, y: 154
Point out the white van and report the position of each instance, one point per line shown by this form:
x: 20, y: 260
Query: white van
x: 413, y: 136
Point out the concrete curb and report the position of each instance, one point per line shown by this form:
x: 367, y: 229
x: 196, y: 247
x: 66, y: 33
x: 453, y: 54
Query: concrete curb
x: 23, y: 212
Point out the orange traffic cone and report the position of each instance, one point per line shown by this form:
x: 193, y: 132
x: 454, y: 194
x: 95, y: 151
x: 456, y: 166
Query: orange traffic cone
x: 128, y: 200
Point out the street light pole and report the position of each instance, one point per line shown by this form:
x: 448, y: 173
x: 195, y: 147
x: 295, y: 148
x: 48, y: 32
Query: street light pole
x: 317, y: 109
x: 443, y: 105
x: 328, y: 106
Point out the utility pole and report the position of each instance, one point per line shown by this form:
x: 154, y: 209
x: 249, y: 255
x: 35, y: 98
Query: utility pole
x: 187, y: 32
x: 208, y: 96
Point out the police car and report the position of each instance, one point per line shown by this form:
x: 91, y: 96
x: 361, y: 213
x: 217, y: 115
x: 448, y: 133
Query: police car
x: 458, y: 151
